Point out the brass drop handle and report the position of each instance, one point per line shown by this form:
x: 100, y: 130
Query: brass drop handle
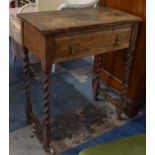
x: 117, y: 41
x: 72, y: 49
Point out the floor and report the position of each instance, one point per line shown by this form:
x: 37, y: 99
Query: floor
x: 23, y: 142
x: 133, y: 127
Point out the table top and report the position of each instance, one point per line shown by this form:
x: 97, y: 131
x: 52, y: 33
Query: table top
x: 75, y: 19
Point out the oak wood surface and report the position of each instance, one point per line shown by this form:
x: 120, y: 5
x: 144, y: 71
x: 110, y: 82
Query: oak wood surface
x: 41, y: 31
x: 32, y: 38
x: 75, y: 19
x: 80, y: 45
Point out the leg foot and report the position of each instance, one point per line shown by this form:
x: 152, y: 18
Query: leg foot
x: 95, y: 98
x: 50, y: 152
x: 53, y: 68
x: 46, y: 119
x: 119, y: 113
x: 125, y: 81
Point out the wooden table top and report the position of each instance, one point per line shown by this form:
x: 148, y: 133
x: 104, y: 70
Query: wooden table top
x: 72, y: 19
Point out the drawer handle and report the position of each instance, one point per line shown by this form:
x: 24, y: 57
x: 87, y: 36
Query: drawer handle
x: 117, y: 41
x: 72, y: 49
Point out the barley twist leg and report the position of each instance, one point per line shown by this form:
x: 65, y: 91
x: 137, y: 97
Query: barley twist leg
x: 95, y: 82
x: 46, y: 119
x: 27, y: 85
x: 127, y: 68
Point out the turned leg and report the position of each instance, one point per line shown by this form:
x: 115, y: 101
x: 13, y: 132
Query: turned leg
x: 125, y: 82
x: 95, y: 82
x: 27, y: 85
x: 46, y: 119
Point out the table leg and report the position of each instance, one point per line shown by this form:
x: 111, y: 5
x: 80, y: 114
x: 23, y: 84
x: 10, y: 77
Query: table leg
x: 27, y: 85
x: 95, y: 82
x: 46, y: 119
x: 127, y: 68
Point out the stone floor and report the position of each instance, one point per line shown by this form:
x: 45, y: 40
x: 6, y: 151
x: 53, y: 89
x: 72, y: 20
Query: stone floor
x: 23, y: 142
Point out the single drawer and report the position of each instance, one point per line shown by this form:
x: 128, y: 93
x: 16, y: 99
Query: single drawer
x: 84, y: 44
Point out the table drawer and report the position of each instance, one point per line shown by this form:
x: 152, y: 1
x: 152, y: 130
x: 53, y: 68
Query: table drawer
x: 85, y: 44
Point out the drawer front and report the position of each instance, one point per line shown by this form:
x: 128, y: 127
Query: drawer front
x: 75, y: 46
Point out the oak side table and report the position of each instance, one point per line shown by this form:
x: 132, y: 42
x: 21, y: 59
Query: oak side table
x: 58, y: 36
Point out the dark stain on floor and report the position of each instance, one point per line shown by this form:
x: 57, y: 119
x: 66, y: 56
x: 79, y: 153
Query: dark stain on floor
x: 69, y: 125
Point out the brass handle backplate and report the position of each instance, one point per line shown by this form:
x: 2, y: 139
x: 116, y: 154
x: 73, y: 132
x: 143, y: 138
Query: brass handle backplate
x: 117, y: 41
x: 72, y: 49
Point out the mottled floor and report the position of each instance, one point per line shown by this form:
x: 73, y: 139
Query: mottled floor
x: 23, y: 142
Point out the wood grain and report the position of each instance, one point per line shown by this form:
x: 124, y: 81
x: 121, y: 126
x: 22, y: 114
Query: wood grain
x: 75, y: 19
x: 32, y: 38
x: 91, y: 43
